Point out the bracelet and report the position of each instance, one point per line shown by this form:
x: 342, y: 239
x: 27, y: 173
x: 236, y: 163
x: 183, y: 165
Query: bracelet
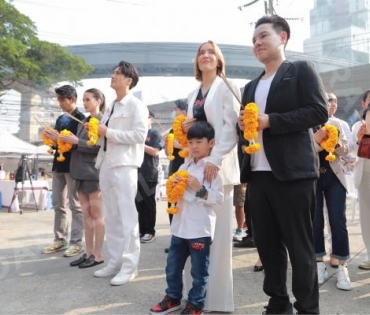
x: 201, y: 192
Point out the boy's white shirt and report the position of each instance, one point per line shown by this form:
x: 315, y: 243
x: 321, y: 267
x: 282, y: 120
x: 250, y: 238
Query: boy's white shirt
x: 196, y: 217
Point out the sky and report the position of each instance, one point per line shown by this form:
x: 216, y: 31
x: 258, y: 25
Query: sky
x: 77, y: 22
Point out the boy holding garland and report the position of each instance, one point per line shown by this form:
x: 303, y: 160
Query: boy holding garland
x: 193, y: 226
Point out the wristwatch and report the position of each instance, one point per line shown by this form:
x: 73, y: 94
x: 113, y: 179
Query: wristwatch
x: 201, y: 192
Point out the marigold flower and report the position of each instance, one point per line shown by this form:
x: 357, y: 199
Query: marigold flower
x: 329, y: 144
x: 251, y: 127
x: 175, y: 188
x: 180, y: 135
x: 63, y: 146
x: 93, y: 131
x: 49, y: 142
x: 169, y: 147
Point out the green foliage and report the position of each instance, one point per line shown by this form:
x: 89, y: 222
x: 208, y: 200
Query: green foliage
x: 24, y: 57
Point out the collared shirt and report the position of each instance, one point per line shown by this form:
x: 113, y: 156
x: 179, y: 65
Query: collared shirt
x: 196, y: 217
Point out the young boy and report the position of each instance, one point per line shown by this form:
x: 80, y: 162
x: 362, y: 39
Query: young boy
x: 192, y: 227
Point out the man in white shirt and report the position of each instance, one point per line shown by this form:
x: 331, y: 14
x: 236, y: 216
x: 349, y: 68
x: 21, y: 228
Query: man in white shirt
x: 122, y: 131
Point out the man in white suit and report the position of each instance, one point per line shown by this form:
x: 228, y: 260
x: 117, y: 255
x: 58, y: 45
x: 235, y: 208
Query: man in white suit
x: 122, y: 131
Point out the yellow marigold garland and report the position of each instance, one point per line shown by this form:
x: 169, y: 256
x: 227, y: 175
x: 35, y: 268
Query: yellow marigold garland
x: 49, y: 142
x: 63, y: 146
x: 169, y: 146
x: 175, y: 188
x: 330, y: 143
x: 251, y: 127
x: 180, y: 135
x: 93, y: 131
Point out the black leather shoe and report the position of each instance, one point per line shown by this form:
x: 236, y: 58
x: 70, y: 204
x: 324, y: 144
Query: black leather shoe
x: 90, y: 262
x: 257, y: 268
x: 247, y: 241
x: 78, y: 261
x: 166, y: 250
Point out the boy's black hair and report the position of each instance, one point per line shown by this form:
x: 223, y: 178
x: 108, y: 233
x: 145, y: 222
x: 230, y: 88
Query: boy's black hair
x: 129, y: 71
x: 200, y: 130
x: 66, y: 91
x: 278, y: 23
x: 181, y: 104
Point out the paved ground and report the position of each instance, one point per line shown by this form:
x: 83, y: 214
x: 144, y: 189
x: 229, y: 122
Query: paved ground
x: 33, y: 283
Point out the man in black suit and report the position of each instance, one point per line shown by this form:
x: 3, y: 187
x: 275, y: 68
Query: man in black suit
x: 282, y: 175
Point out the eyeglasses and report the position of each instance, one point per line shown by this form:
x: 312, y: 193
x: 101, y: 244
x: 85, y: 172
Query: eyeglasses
x: 332, y: 100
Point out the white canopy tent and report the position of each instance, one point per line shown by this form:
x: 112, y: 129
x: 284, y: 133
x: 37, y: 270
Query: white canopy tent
x: 11, y: 144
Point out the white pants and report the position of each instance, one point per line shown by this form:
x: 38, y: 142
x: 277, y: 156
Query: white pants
x: 364, y: 206
x: 119, y: 186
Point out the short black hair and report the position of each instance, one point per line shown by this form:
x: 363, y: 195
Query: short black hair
x: 129, y: 71
x: 151, y: 114
x: 278, y: 23
x: 66, y: 91
x: 200, y: 130
x: 182, y: 105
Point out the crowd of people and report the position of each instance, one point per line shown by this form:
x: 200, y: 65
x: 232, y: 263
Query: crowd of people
x: 283, y: 189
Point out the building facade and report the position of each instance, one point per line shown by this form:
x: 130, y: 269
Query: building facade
x: 340, y: 29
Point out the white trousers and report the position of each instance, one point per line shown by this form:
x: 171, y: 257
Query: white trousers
x: 119, y: 186
x: 364, y: 206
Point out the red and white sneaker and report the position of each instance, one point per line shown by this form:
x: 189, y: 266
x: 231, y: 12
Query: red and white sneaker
x: 167, y: 305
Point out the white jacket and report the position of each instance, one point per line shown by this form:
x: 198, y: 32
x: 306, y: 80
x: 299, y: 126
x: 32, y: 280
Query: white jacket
x: 126, y: 133
x: 222, y: 112
x: 343, y: 150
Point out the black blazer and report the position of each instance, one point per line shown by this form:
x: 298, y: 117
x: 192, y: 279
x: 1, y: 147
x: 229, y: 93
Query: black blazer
x: 296, y: 103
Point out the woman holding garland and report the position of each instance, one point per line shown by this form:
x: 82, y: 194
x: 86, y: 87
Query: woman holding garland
x: 86, y: 176
x: 213, y: 101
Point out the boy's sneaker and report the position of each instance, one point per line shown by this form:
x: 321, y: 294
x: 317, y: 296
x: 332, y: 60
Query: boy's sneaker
x: 343, y: 281
x: 73, y: 250
x: 238, y: 235
x: 190, y: 309
x: 147, y: 238
x: 322, y: 272
x: 167, y: 305
x: 55, y: 247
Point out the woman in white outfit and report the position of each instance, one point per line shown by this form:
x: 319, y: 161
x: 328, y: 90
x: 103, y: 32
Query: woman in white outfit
x: 214, y: 102
x: 361, y: 178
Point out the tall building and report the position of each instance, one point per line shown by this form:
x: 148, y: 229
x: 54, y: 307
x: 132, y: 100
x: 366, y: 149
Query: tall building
x: 340, y: 29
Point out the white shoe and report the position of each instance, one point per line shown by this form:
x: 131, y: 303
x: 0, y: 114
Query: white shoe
x: 147, y: 238
x: 105, y: 272
x: 343, y: 281
x: 122, y: 278
x: 322, y: 272
x: 238, y: 235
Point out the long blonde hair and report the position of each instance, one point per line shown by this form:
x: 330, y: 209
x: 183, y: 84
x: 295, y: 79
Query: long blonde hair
x: 220, y: 60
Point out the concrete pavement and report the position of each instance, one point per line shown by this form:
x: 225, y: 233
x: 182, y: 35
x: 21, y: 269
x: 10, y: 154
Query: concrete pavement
x: 35, y: 283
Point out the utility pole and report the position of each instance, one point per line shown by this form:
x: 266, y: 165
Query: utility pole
x: 269, y: 7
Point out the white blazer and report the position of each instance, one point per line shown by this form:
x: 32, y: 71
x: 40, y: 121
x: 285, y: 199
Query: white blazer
x: 343, y: 150
x: 222, y: 111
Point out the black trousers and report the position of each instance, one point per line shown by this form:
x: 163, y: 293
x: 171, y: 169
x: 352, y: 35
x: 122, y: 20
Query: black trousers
x: 247, y: 215
x: 282, y: 215
x: 146, y: 206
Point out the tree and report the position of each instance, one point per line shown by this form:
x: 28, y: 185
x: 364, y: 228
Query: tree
x: 25, y: 58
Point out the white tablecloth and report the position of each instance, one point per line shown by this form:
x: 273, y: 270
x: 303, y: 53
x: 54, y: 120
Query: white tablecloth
x: 25, y: 194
